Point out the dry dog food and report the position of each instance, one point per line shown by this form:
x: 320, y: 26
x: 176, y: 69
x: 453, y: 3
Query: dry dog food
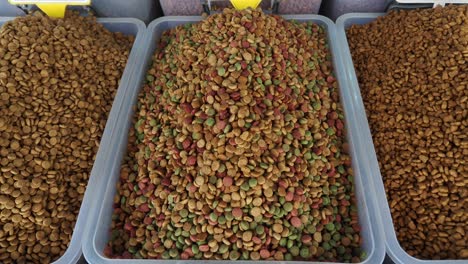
x: 413, y: 74
x: 238, y: 148
x: 58, y: 78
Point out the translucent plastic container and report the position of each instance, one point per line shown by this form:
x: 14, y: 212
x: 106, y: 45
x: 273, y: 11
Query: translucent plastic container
x: 371, y: 165
x: 127, y: 26
x: 299, y: 6
x: 194, y: 7
x: 99, y: 222
x: 335, y: 8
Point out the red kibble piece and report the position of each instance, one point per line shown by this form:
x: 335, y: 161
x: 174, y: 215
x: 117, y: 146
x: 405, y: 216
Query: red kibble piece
x: 296, y: 221
x: 256, y: 240
x: 192, y: 160
x: 237, y: 212
x: 144, y: 208
x: 227, y: 181
x: 289, y: 196
x: 193, y: 188
x: 264, y: 253
x: 306, y: 238
x: 186, y: 144
x: 221, y: 124
x: 204, y: 248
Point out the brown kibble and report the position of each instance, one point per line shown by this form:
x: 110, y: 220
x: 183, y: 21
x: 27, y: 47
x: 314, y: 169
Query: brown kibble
x: 278, y: 228
x: 317, y: 237
x: 47, y: 142
x: 247, y: 236
x: 14, y: 145
x: 412, y: 71
x: 46, y: 165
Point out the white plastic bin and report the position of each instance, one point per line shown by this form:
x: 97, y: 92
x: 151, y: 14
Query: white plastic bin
x: 371, y: 165
x: 127, y: 26
x: 98, y: 225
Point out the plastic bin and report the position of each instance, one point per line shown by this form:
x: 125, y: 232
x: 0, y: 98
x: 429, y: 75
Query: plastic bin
x: 371, y: 165
x: 299, y: 6
x: 128, y: 26
x: 194, y: 7
x: 98, y: 225
x: 335, y: 8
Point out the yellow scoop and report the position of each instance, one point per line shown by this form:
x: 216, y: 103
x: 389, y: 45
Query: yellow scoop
x: 243, y: 4
x: 53, y: 8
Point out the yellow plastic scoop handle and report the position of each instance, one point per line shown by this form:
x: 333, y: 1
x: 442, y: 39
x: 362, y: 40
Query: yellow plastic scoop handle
x: 243, y: 4
x: 53, y: 8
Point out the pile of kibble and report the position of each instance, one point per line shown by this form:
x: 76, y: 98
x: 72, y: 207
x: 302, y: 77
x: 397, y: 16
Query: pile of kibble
x: 413, y: 74
x: 58, y: 78
x: 238, y: 148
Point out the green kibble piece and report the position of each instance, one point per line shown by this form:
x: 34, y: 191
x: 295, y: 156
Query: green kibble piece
x: 213, y: 217
x: 286, y: 147
x: 288, y: 257
x: 244, y: 225
x: 221, y: 71
x: 341, y: 250
x: 229, y: 216
x: 245, y: 186
x: 330, y: 131
x: 263, y: 165
x: 290, y: 243
x: 294, y: 251
x: 164, y: 255
x: 183, y: 213
x: 149, y: 78
x: 195, y: 248
x: 326, y: 246
x: 305, y: 252
x: 283, y: 242
x: 297, y: 152
x: 253, y: 182
x: 267, y: 102
x: 234, y: 255
x: 282, y: 200
x: 288, y: 207
x: 223, y: 248
x: 221, y: 220
x: 341, y: 169
x: 336, y: 237
x: 260, y: 230
x: 132, y: 250
x: 210, y: 121
x: 325, y: 200
x: 173, y: 253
